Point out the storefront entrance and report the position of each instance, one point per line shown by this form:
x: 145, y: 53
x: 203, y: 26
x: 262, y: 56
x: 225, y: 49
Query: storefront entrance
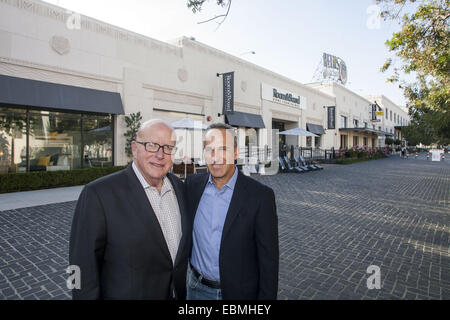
x: 344, y: 141
x: 251, y: 142
x: 280, y: 126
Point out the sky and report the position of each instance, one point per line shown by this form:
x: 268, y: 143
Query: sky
x: 287, y: 36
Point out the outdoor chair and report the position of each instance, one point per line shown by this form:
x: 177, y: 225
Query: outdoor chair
x: 291, y: 167
x: 312, y: 164
x: 303, y: 165
x: 283, y: 167
x: 301, y: 161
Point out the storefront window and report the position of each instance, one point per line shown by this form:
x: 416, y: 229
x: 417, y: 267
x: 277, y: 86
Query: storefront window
x: 308, y: 141
x: 251, y: 143
x: 317, y: 142
x: 12, y: 139
x: 344, y: 141
x: 355, y: 140
x: 97, y: 136
x: 55, y: 141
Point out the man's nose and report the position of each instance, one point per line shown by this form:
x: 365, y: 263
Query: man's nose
x: 218, y: 158
x: 160, y: 153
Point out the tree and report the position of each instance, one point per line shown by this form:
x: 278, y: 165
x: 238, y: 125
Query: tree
x: 197, y: 5
x: 133, y: 122
x: 420, y: 129
x: 388, y: 141
x: 423, y: 47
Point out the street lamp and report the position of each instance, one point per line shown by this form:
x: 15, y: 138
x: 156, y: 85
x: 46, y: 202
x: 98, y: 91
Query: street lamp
x: 248, y: 52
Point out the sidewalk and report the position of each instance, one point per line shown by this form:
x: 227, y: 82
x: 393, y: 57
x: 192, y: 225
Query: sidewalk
x: 16, y: 200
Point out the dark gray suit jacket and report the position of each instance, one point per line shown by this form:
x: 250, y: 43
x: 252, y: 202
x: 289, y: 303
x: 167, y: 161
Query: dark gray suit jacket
x: 249, y: 253
x: 118, y: 243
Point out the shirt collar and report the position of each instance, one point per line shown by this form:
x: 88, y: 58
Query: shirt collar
x: 230, y: 183
x: 166, y: 183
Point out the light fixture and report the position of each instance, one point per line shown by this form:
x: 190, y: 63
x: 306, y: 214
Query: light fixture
x: 248, y: 52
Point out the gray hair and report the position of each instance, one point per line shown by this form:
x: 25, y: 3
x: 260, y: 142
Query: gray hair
x: 226, y: 127
x: 149, y: 123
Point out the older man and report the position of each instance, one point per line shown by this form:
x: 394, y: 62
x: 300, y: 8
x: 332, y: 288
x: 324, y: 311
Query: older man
x: 130, y: 234
x: 235, y: 230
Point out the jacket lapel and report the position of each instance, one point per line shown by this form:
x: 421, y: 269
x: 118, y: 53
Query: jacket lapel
x: 199, y: 192
x: 239, y: 198
x: 142, y: 207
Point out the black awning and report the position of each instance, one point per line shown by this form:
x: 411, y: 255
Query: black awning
x: 315, y: 128
x: 242, y: 119
x: 34, y: 93
x: 367, y: 130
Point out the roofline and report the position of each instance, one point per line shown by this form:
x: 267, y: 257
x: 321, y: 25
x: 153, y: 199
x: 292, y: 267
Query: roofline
x: 87, y: 20
x: 185, y: 41
x: 382, y: 96
x: 342, y: 87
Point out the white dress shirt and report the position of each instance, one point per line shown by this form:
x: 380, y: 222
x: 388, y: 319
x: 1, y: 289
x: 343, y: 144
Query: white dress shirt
x: 165, y: 206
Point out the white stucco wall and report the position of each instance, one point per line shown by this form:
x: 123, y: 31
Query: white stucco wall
x: 168, y: 80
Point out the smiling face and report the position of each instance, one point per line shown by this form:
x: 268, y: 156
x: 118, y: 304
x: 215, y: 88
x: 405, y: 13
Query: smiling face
x: 153, y: 165
x: 220, y: 153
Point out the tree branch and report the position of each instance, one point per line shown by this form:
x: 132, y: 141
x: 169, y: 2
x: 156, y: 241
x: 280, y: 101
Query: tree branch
x: 219, y: 16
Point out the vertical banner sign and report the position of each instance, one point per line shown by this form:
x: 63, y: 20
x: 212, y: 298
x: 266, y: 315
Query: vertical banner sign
x: 228, y: 92
x: 332, y: 117
x: 374, y: 112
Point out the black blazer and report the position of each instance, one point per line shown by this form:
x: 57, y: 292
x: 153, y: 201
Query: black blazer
x: 118, y: 243
x: 249, y: 255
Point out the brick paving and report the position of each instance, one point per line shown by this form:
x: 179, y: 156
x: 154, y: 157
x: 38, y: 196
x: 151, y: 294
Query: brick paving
x: 333, y: 224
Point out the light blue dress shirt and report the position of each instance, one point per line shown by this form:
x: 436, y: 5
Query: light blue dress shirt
x: 208, y: 226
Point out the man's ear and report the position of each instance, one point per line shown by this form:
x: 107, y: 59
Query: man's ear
x: 236, y: 152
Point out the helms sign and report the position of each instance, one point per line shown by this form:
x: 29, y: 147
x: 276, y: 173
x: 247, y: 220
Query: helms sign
x: 336, y: 65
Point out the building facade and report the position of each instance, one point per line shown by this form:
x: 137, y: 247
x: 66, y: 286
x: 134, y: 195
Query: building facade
x: 67, y: 81
x: 394, y: 117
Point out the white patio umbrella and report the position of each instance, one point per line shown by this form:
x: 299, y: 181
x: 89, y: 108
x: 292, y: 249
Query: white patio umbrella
x: 188, y: 124
x: 298, y: 132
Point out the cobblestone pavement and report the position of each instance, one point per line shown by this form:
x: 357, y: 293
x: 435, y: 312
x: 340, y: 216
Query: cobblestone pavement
x: 333, y: 225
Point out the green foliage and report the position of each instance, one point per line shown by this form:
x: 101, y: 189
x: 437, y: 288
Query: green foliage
x: 13, y: 182
x: 356, y: 153
x: 423, y: 46
x: 133, y: 123
x: 421, y: 129
x: 196, y: 5
x: 388, y: 141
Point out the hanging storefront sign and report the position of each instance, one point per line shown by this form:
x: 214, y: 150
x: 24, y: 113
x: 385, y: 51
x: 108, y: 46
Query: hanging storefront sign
x: 228, y: 92
x: 331, y: 117
x: 375, y: 111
